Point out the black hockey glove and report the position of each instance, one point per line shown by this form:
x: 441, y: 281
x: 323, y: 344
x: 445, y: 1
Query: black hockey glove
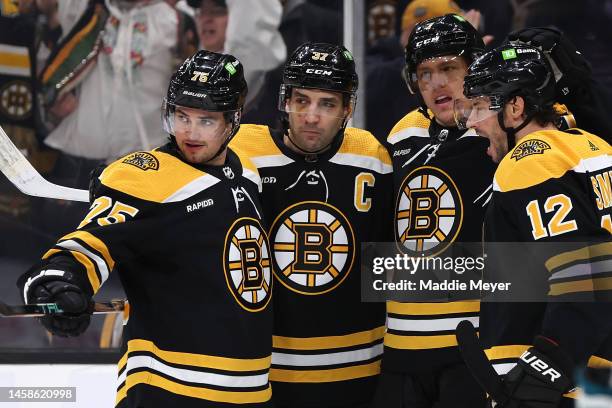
x: 572, y: 70
x: 540, y: 378
x: 50, y: 285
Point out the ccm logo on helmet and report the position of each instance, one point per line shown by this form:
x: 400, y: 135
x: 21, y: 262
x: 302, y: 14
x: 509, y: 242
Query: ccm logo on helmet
x: 540, y: 366
x: 318, y: 71
x: 428, y: 41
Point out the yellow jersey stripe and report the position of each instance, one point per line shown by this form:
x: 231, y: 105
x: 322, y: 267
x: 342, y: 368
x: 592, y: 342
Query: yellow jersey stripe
x: 50, y: 253
x: 422, y: 309
x: 324, y: 376
x: 143, y: 377
x: 420, y: 342
x: 94, y: 281
x: 515, y: 351
x: 584, y: 285
x: 122, y: 362
x: 200, y: 360
x: 578, y: 255
x: 328, y: 342
x: 93, y: 242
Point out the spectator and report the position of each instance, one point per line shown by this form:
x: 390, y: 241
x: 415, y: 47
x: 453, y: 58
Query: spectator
x: 114, y: 109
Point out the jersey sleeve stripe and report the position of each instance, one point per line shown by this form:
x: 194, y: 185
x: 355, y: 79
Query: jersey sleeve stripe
x: 325, y: 376
x: 328, y: 342
x: 579, y: 255
x: 192, y: 188
x: 584, y: 285
x: 92, y: 274
x: 94, y: 243
x: 103, y: 268
x: 366, y: 162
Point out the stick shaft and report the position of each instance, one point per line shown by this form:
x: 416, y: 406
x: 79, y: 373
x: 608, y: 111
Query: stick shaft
x: 43, y: 309
x: 24, y: 176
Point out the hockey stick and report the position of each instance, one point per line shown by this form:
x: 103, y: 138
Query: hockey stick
x: 477, y: 362
x: 42, y: 309
x: 24, y: 176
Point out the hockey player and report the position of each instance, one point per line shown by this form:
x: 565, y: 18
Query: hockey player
x: 325, y: 190
x: 431, y: 156
x: 182, y: 225
x: 550, y: 186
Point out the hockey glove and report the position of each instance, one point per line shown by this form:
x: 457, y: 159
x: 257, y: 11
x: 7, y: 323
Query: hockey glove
x: 572, y: 70
x: 540, y: 378
x: 60, y: 287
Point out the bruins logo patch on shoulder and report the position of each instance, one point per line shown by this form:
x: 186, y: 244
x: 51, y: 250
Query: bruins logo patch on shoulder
x: 529, y: 147
x: 142, y: 160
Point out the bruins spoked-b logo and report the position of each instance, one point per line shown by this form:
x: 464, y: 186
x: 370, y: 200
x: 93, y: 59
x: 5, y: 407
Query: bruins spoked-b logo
x: 247, y: 264
x: 313, y: 247
x: 428, y: 213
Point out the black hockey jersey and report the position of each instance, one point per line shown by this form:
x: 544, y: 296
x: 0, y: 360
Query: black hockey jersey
x: 193, y: 258
x: 556, y: 187
x: 327, y: 343
x: 448, y: 170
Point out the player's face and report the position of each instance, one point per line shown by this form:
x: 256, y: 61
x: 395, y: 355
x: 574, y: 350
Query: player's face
x: 199, y: 134
x: 211, y: 21
x: 440, y: 82
x: 489, y: 128
x: 315, y: 117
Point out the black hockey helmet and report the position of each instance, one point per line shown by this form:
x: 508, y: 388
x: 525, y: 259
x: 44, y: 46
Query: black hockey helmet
x: 511, y: 70
x: 450, y: 34
x: 209, y: 81
x: 320, y: 66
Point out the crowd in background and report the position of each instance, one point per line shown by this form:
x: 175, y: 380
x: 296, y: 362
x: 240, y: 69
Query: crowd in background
x: 82, y: 82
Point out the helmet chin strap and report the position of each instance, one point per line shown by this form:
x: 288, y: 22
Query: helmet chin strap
x: 512, y: 131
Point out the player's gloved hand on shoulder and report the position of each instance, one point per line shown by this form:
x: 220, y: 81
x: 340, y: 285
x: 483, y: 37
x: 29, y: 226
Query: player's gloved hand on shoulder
x: 540, y: 378
x: 572, y: 70
x: 55, y: 286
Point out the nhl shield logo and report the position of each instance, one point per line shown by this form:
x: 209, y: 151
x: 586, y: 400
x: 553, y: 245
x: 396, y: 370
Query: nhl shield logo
x: 313, y: 247
x: 228, y: 172
x: 529, y: 147
x: 428, y: 213
x: 143, y: 160
x: 248, y: 272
